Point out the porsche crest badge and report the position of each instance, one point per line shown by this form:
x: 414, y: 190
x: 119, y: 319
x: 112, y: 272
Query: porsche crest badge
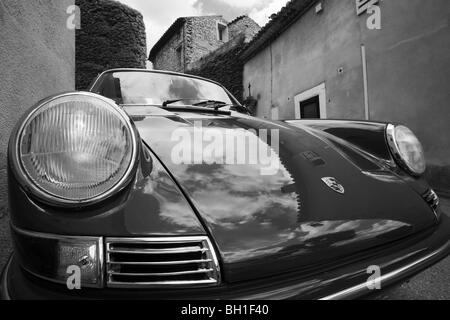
x: 334, y: 184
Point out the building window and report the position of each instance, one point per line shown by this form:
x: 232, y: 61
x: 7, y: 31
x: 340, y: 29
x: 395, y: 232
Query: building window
x: 222, y: 32
x: 311, y: 104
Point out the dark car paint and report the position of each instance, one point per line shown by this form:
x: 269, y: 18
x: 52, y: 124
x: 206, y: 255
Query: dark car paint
x: 151, y: 205
x: 262, y: 225
x: 263, y: 228
x: 369, y: 137
x: 267, y: 225
x: 418, y: 252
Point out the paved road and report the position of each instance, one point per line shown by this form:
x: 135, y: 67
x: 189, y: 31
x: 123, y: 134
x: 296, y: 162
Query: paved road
x: 433, y: 283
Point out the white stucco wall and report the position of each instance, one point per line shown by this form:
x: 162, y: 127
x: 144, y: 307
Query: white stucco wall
x: 37, y: 59
x: 408, y: 68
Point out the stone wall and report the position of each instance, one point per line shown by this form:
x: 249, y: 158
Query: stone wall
x: 37, y: 59
x: 112, y: 35
x: 223, y: 66
x: 244, y: 25
x: 193, y: 38
x: 202, y: 37
x: 168, y: 58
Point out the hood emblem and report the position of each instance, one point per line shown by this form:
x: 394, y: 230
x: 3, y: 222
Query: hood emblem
x: 334, y: 184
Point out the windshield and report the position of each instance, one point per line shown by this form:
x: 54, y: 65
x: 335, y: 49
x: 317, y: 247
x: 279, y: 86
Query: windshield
x: 129, y: 87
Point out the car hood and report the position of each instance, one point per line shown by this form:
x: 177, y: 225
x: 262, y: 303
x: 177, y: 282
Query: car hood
x: 266, y: 222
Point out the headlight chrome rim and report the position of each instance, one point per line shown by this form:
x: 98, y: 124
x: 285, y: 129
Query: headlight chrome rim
x: 52, y: 199
x: 396, y: 153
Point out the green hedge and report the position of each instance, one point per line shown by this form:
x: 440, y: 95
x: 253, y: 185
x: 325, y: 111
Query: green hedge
x: 112, y: 35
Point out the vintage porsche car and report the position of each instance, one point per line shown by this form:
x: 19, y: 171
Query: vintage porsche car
x: 158, y: 185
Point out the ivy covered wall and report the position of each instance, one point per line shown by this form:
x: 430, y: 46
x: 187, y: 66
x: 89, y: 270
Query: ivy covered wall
x: 112, y: 35
x: 224, y: 66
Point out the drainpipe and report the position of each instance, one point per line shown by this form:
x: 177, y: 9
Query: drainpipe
x: 366, y: 83
x: 271, y: 79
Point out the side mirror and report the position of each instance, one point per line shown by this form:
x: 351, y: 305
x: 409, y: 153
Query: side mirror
x: 250, y: 104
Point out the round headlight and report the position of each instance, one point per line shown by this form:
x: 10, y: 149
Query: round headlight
x: 406, y: 149
x: 76, y: 148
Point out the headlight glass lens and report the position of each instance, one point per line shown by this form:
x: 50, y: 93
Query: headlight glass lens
x: 76, y: 147
x: 409, y: 149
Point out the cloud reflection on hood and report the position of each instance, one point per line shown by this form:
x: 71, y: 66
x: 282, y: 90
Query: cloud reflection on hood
x: 288, y: 219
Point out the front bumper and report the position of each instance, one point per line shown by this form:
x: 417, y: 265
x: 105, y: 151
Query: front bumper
x: 399, y: 261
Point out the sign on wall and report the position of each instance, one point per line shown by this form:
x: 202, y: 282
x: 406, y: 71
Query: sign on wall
x: 363, y: 5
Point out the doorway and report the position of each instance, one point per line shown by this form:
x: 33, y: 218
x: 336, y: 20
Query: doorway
x: 311, y: 104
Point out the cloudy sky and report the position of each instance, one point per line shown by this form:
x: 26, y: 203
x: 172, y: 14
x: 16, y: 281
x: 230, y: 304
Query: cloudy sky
x: 160, y: 14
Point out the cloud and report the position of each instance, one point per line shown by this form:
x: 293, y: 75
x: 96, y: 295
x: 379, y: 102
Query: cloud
x: 258, y: 10
x: 242, y: 4
x: 160, y: 14
x: 261, y: 16
x: 230, y: 9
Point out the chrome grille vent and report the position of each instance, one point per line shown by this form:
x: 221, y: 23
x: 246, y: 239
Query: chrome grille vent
x: 432, y: 199
x: 161, y: 262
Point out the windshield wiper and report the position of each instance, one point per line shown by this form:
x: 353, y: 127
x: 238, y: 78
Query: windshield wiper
x: 167, y: 102
x: 217, y: 104
x: 220, y: 104
x: 196, y: 109
x: 201, y: 106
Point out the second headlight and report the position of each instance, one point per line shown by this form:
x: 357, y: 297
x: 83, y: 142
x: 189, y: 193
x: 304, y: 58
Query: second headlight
x: 406, y: 149
x: 76, y: 148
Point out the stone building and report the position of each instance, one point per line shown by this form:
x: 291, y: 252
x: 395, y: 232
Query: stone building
x: 358, y: 59
x: 243, y: 25
x: 190, y: 38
